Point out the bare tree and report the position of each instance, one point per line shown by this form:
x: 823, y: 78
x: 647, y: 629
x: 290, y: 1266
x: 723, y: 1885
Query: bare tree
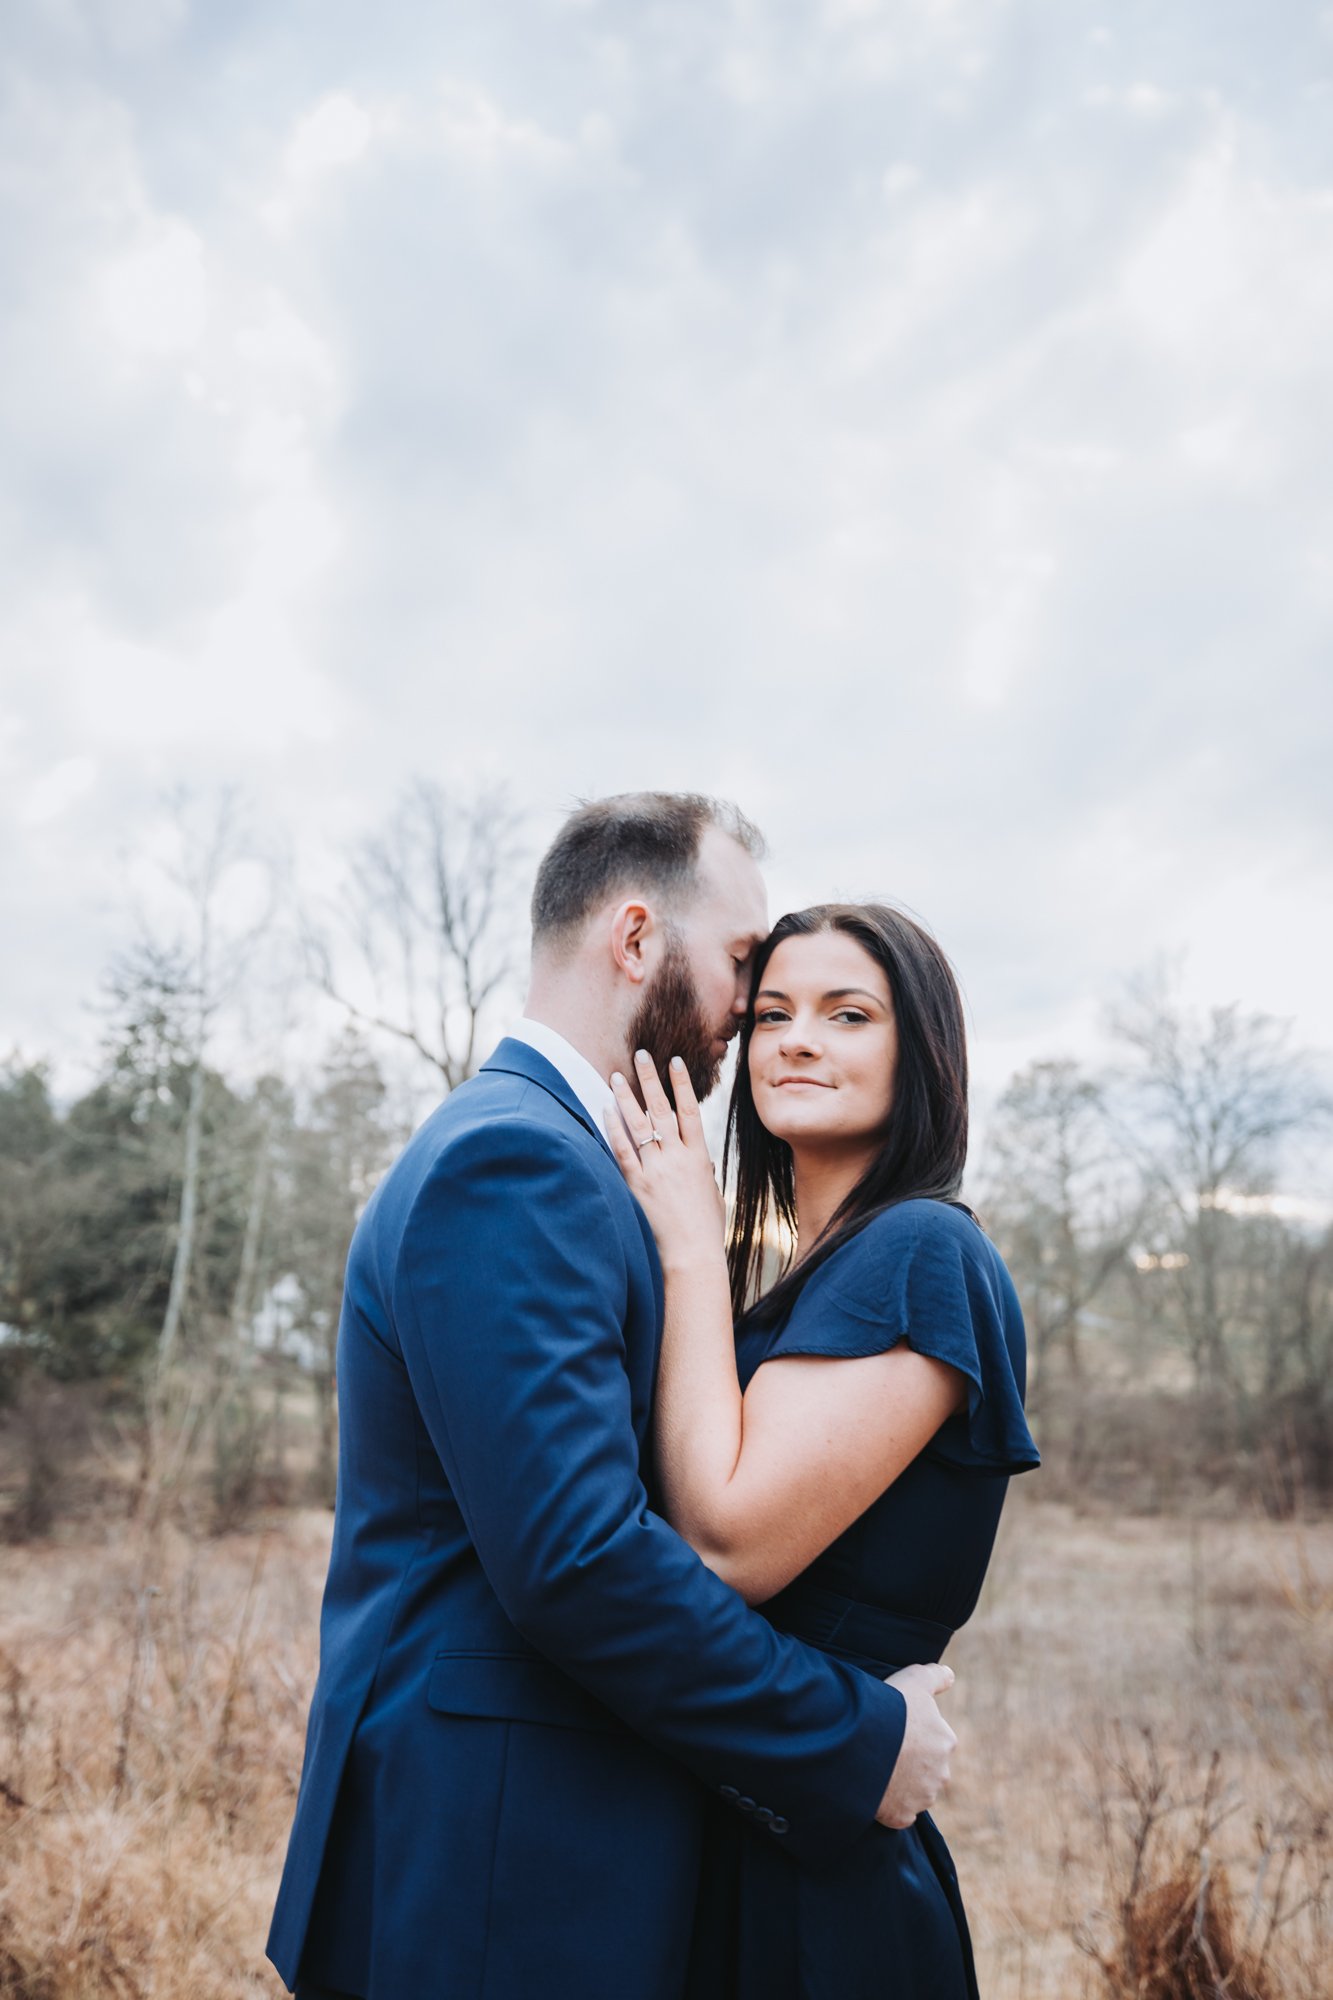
x: 338, y: 1154
x: 195, y: 964
x: 234, y: 1412
x: 432, y: 913
x: 1209, y: 1102
x: 1057, y: 1194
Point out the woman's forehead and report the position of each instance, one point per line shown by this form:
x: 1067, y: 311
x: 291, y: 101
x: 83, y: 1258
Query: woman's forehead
x: 825, y: 960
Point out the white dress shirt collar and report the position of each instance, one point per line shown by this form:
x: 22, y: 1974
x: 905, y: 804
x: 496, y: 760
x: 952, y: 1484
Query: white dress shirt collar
x: 592, y: 1090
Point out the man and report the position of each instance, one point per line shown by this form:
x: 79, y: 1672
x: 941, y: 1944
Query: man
x: 525, y: 1675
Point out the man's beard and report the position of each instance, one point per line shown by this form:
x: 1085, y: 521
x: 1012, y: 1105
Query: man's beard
x: 670, y: 1022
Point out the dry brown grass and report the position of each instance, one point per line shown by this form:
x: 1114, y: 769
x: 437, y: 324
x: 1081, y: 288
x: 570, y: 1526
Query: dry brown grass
x: 1122, y: 1667
x: 152, y: 1704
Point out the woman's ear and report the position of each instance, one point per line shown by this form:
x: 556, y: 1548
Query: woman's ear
x: 633, y: 927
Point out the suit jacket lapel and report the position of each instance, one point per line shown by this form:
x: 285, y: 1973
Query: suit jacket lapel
x: 516, y: 1058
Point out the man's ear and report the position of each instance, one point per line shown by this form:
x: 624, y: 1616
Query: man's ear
x: 633, y: 936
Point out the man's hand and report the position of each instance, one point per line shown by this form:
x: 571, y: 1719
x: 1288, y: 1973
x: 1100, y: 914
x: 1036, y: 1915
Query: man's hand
x: 922, y: 1769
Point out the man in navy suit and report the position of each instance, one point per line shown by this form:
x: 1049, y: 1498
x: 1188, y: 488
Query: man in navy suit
x: 526, y: 1677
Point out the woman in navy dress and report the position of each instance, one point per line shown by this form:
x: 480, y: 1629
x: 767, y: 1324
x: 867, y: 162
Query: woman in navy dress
x: 854, y: 1492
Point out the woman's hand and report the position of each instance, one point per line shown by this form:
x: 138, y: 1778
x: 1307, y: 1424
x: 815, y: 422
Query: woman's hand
x: 664, y: 1158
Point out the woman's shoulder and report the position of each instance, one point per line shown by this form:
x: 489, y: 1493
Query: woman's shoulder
x: 923, y: 1215
x: 870, y: 1268
x: 926, y: 1272
x: 921, y: 1224
x: 919, y: 1256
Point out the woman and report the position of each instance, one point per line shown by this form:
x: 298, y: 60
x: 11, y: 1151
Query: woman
x: 853, y: 1492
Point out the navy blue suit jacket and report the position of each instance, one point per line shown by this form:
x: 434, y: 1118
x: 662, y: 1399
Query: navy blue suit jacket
x: 525, y: 1674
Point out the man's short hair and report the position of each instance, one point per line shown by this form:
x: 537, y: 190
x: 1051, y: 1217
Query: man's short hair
x: 646, y: 841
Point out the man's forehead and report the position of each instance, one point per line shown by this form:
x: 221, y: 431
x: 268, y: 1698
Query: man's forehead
x: 731, y: 884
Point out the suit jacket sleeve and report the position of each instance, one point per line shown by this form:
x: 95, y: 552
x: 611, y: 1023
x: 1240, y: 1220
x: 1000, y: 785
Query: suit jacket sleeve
x: 510, y: 1295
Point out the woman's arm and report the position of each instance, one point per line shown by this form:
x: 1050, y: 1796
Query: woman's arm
x: 757, y: 1484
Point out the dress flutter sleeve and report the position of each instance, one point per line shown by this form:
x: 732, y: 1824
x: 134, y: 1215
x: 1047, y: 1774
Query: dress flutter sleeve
x: 926, y: 1273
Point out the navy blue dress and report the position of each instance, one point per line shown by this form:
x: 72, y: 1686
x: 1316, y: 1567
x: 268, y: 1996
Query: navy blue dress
x: 885, y: 1921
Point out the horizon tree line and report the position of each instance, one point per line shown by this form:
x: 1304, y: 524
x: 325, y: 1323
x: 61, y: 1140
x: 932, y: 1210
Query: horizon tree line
x: 172, y: 1242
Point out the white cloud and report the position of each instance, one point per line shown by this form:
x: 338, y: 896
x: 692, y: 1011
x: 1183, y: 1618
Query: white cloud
x: 1236, y: 273
x: 849, y: 410
x: 900, y: 179
x: 154, y: 296
x: 337, y: 132
x: 333, y: 135
x: 474, y: 125
x: 1141, y: 100
x: 46, y: 797
x: 137, y: 27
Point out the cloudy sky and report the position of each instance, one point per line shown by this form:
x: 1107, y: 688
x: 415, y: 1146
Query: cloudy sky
x: 913, y: 418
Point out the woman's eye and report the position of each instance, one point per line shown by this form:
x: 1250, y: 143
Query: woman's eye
x: 852, y: 1014
x: 767, y: 1016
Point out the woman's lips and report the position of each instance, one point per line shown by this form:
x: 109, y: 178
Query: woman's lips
x: 801, y: 1083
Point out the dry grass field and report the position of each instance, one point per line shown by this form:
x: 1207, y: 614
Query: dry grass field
x: 152, y: 1705
x: 1115, y: 1664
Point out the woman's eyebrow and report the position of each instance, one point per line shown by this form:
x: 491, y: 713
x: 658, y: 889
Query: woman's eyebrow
x: 834, y: 993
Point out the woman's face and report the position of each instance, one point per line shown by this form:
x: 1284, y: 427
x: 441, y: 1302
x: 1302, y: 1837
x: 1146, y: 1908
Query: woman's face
x: 824, y: 1049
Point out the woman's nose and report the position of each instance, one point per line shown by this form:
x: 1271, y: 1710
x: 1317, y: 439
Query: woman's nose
x: 798, y: 1041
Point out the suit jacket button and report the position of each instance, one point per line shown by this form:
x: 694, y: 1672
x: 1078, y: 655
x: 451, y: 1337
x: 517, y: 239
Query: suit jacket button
x: 746, y: 1805
x: 728, y: 1791
x: 763, y: 1813
x: 777, y: 1825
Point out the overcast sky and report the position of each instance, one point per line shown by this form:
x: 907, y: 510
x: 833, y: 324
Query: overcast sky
x: 914, y: 419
